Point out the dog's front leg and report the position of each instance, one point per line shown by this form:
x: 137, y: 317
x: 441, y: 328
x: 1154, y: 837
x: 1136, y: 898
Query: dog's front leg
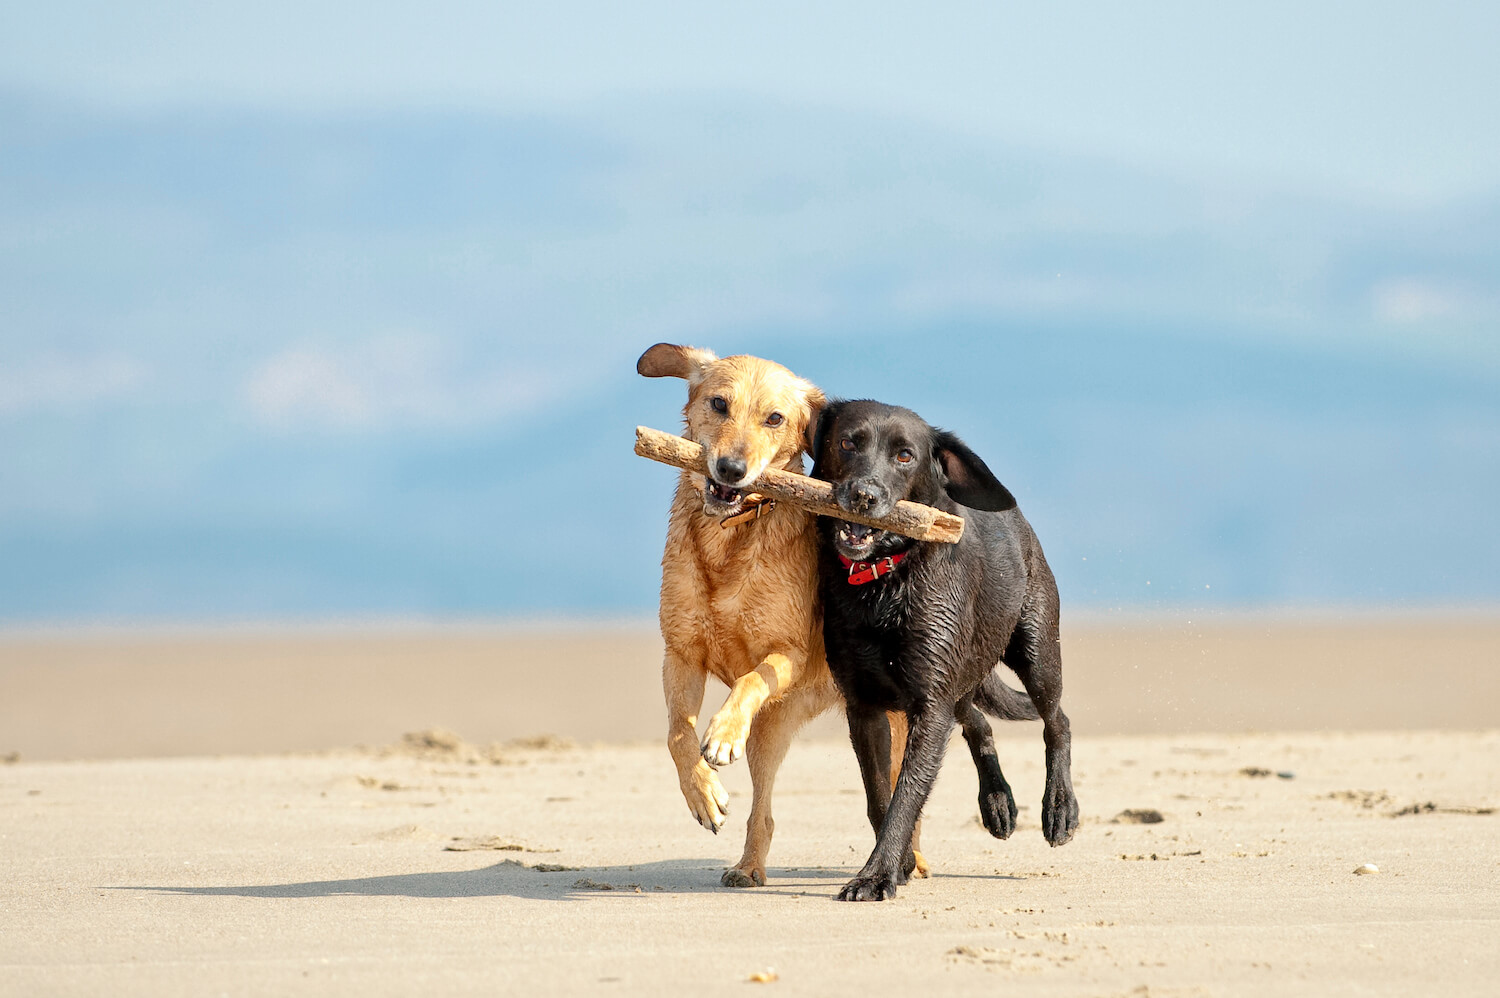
x: 770, y: 736
x: 725, y: 739
x: 926, y: 741
x: 683, y: 683
x: 870, y: 734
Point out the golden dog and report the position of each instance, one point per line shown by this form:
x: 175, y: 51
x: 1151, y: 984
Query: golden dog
x: 739, y: 598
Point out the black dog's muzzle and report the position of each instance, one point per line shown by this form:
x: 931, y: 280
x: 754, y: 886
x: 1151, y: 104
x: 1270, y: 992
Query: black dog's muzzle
x: 866, y: 498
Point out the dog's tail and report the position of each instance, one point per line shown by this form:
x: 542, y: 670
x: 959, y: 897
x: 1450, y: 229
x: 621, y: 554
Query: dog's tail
x: 1000, y: 701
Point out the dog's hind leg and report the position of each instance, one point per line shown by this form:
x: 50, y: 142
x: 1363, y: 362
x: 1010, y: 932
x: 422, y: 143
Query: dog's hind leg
x: 770, y: 736
x: 897, y: 720
x: 683, y: 684
x: 997, y: 805
x: 1035, y: 655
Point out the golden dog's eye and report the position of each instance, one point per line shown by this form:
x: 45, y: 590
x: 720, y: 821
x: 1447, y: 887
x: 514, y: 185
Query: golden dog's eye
x: 904, y: 456
x: 846, y: 444
x: 719, y: 405
x: 774, y: 419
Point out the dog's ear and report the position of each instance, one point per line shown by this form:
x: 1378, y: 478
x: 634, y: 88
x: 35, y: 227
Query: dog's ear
x: 820, y: 429
x: 817, y: 402
x: 968, y: 479
x: 668, y: 360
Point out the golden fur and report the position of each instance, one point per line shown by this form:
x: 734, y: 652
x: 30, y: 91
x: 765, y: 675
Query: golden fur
x: 740, y: 603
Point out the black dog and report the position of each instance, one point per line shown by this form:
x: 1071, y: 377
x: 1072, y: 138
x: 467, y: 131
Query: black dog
x: 919, y: 626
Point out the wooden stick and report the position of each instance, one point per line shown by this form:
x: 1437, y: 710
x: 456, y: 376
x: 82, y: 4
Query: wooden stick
x: 910, y: 519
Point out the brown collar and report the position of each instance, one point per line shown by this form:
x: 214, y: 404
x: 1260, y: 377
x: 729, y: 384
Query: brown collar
x: 757, y: 506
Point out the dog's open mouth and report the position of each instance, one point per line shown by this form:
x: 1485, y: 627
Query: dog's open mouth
x: 720, y: 499
x: 855, y: 540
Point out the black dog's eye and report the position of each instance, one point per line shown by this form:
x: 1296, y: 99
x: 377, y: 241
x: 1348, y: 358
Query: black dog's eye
x: 846, y: 444
x: 904, y: 456
x: 774, y: 419
x: 719, y: 405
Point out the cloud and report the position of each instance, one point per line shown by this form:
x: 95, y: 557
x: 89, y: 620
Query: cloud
x: 1410, y: 300
x: 57, y: 381
x: 387, y: 382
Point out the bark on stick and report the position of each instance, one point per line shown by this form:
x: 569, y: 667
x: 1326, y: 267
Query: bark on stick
x: 910, y: 519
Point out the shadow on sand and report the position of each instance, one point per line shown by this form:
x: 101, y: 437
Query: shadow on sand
x: 513, y: 879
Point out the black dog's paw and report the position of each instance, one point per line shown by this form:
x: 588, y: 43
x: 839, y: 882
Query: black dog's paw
x: 1059, y: 812
x: 869, y: 887
x: 908, y: 864
x: 997, y: 809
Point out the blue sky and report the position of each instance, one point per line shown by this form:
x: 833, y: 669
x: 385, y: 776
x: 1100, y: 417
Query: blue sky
x: 290, y: 294
x: 1394, y: 99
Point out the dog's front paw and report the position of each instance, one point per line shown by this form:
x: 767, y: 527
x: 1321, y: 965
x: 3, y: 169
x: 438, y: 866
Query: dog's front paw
x: 997, y: 809
x: 725, y: 740
x: 908, y: 867
x: 753, y: 876
x: 1059, y: 811
x: 706, y: 797
x: 869, y: 887
x: 919, y: 867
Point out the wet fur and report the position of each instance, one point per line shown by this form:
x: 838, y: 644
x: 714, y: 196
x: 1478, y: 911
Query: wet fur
x: 925, y: 638
x: 740, y: 603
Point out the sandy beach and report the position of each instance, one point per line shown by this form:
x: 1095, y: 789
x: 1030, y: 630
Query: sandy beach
x: 162, y: 836
x: 131, y: 693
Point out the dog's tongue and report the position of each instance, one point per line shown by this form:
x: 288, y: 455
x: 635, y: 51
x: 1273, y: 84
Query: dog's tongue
x: 857, y: 531
x: 723, y: 492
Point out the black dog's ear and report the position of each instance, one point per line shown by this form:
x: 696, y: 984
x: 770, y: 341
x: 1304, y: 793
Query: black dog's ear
x: 820, y: 433
x: 969, y: 479
x: 816, y: 403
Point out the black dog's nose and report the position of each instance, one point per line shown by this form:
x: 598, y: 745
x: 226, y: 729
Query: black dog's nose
x: 864, y: 498
x: 729, y: 469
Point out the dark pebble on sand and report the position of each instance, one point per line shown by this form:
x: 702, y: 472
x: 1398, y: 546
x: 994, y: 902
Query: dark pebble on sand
x: 1139, y: 816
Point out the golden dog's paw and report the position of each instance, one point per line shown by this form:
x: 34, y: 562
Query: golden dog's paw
x: 706, y: 797
x: 921, y: 871
x: 747, y: 877
x: 725, y: 740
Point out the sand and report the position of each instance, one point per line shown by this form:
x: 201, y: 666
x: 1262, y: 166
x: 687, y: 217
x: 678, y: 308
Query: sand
x: 331, y: 874
x: 450, y: 868
x: 113, y: 694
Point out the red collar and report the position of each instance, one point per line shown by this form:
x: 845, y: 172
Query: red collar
x: 861, y: 572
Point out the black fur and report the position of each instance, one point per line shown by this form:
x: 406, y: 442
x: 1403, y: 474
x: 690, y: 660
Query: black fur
x: 926, y: 637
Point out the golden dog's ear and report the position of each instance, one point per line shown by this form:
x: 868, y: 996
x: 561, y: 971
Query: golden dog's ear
x: 816, y: 402
x: 668, y: 360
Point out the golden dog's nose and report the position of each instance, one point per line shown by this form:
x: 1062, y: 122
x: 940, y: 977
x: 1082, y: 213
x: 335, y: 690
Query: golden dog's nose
x: 729, y: 469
